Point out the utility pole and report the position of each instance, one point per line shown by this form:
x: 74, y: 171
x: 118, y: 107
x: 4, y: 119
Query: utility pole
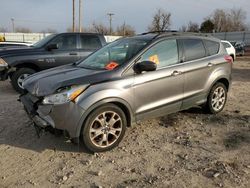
x: 73, y: 25
x: 13, y: 25
x: 110, y: 22
x: 80, y: 17
x: 123, y: 28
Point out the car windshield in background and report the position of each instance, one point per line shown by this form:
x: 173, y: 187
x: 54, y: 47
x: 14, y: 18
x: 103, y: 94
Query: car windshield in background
x: 114, y: 54
x: 42, y: 42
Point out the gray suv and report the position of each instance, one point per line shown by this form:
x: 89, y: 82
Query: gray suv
x: 131, y: 79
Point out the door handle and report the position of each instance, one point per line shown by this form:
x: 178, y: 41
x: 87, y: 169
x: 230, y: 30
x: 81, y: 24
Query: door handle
x: 175, y: 73
x: 72, y: 53
x: 210, y: 64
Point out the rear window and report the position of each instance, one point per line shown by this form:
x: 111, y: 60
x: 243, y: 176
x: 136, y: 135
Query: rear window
x: 226, y: 45
x: 90, y: 42
x: 212, y: 47
x: 193, y: 49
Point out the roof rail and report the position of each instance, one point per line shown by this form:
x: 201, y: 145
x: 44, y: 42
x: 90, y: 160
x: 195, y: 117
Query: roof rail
x: 160, y: 31
x: 174, y: 32
x: 184, y: 33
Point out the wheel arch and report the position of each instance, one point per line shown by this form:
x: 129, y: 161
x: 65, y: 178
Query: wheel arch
x: 222, y: 80
x: 125, y: 107
x: 28, y: 65
x: 232, y: 55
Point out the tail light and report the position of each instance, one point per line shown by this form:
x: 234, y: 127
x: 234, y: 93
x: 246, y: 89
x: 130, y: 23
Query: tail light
x: 228, y: 58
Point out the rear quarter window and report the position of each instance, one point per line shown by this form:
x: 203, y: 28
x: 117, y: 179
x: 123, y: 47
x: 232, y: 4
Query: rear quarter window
x: 193, y: 49
x: 212, y: 47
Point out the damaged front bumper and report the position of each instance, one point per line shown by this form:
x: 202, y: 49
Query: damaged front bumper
x: 63, y: 117
x: 3, y: 73
x: 3, y: 70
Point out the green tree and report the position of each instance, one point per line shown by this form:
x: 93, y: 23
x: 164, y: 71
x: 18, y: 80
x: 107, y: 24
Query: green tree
x: 207, y: 26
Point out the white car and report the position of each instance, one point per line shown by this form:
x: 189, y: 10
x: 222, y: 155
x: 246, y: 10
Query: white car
x: 230, y: 49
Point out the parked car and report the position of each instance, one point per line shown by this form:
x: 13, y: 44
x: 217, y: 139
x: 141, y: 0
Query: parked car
x: 131, y: 79
x: 239, y: 47
x: 229, y: 48
x: 52, y: 51
x: 11, y: 44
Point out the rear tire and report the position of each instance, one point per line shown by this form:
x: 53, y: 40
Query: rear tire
x: 18, y: 77
x: 104, y: 128
x: 216, y: 99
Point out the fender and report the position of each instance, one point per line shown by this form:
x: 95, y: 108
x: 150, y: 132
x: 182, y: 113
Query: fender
x: 100, y: 103
x: 218, y: 74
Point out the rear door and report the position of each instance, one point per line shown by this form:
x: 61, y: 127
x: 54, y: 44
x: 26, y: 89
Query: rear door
x: 159, y: 92
x: 197, y: 68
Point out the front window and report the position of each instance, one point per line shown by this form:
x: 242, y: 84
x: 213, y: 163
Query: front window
x: 164, y: 53
x: 44, y: 41
x: 65, y: 42
x: 114, y: 54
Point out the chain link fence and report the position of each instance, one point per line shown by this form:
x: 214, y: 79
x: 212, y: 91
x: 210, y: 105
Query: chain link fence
x: 34, y: 37
x: 234, y: 36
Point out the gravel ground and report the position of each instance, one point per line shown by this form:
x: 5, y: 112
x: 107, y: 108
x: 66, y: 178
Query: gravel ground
x: 185, y: 149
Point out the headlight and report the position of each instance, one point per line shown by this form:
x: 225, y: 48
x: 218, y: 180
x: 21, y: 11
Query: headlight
x: 3, y: 63
x: 64, y: 96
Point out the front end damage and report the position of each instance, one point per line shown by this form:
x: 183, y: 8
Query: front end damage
x: 3, y: 70
x: 63, y: 117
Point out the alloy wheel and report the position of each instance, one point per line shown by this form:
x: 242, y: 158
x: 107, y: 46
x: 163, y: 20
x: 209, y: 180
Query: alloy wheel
x: 105, y: 129
x: 21, y: 79
x: 218, y: 98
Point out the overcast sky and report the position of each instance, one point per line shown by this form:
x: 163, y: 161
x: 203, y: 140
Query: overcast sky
x: 39, y: 15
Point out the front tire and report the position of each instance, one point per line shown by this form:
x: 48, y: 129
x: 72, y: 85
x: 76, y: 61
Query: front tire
x: 18, y: 77
x: 104, y: 128
x: 216, y: 99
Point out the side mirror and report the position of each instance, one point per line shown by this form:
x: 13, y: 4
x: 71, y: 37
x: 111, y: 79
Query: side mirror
x: 145, y: 66
x: 52, y: 46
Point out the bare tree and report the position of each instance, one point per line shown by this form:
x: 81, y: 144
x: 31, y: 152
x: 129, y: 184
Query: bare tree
x: 161, y: 21
x: 233, y: 20
x: 125, y: 30
x: 49, y: 30
x: 22, y: 30
x: 220, y: 20
x: 238, y: 17
x: 193, y: 27
x: 183, y: 28
x: 3, y: 30
x: 99, y: 28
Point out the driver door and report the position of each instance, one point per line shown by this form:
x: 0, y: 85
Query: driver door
x: 65, y: 54
x: 161, y: 91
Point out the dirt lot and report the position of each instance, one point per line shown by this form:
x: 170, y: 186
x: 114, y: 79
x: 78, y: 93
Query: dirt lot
x: 186, y: 149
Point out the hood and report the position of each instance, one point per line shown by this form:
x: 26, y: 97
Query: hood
x: 10, y: 52
x: 47, y: 82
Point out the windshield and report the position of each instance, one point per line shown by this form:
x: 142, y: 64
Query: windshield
x: 114, y: 54
x: 44, y: 41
